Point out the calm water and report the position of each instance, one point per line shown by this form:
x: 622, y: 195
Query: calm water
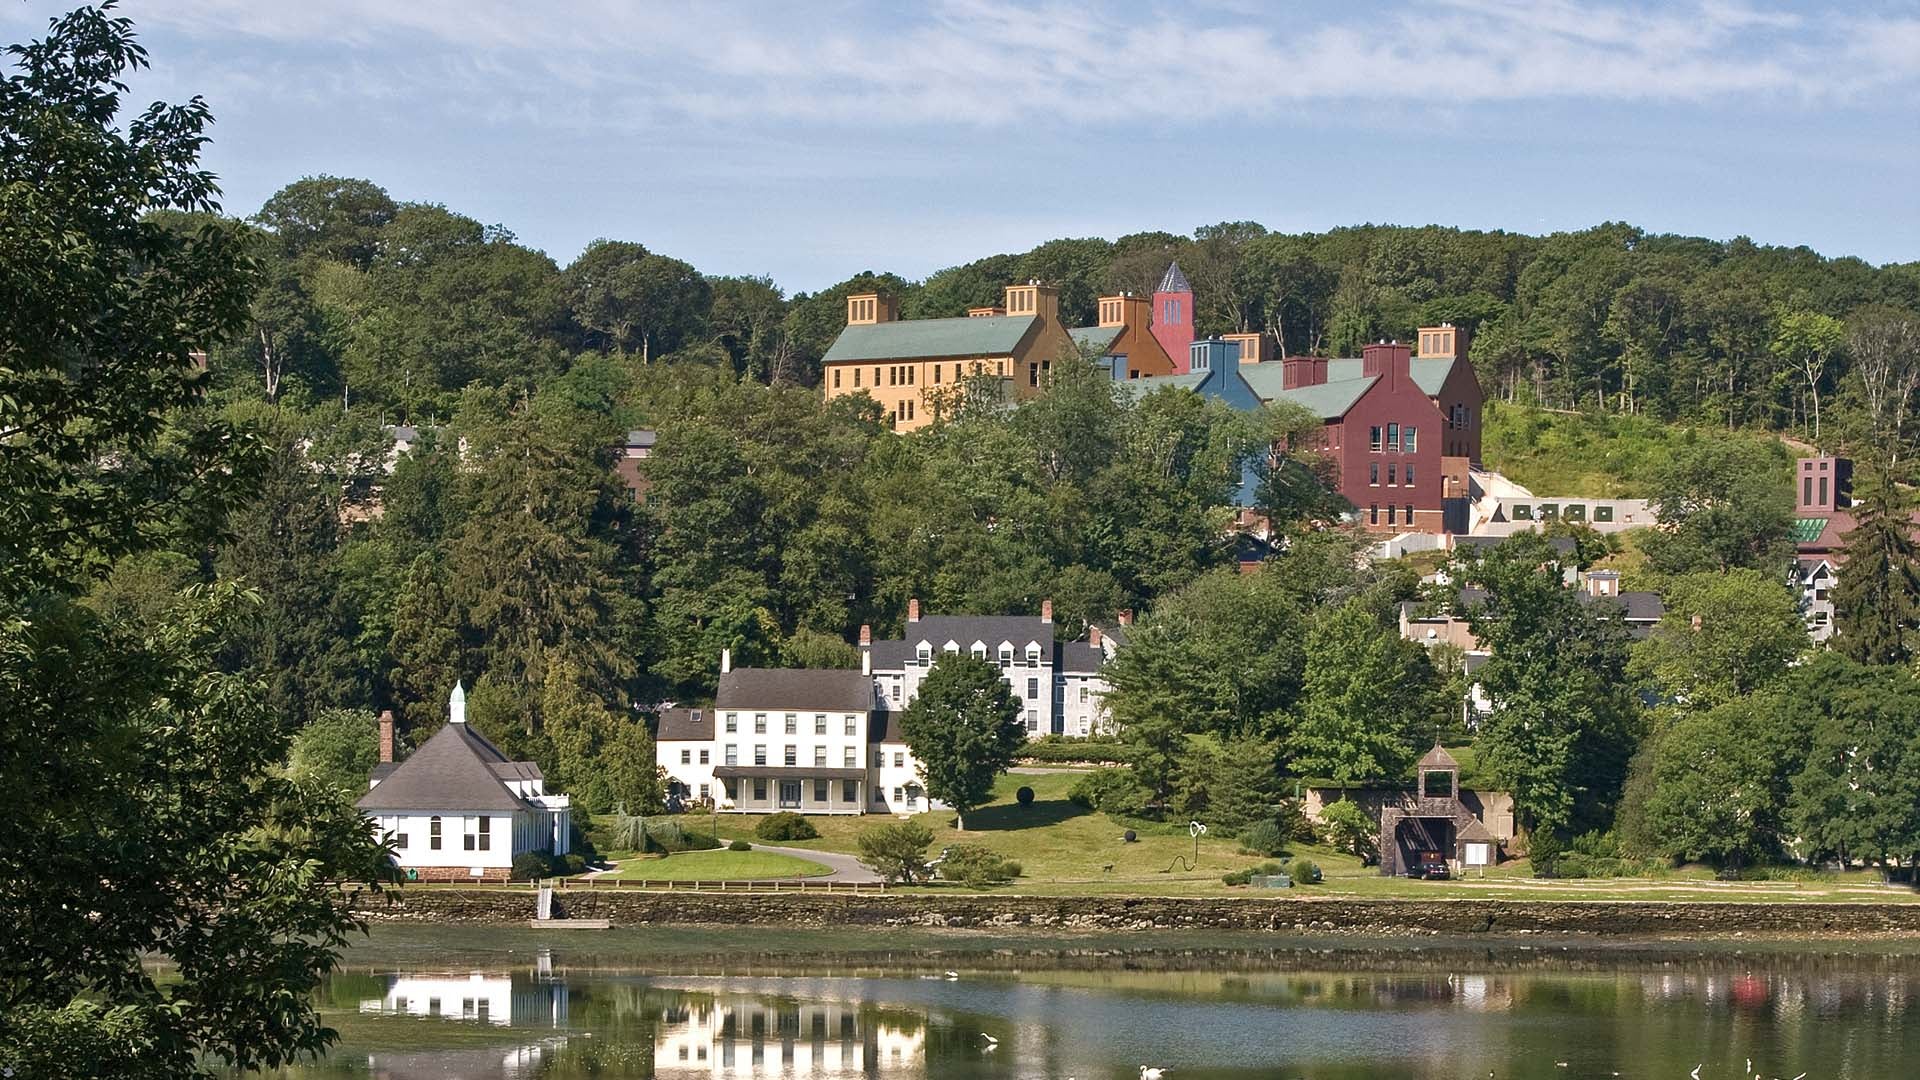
x: 571, y: 1008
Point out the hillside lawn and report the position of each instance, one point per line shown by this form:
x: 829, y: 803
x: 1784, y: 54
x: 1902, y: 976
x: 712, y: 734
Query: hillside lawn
x: 1585, y: 455
x: 1066, y: 850
x: 720, y: 865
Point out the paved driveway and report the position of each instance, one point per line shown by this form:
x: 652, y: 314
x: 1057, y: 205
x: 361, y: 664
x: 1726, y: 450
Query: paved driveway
x: 845, y: 867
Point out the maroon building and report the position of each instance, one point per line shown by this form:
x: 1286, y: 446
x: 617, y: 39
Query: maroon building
x: 1173, y: 317
x: 1401, y: 429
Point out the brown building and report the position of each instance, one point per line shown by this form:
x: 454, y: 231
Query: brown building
x: 916, y: 368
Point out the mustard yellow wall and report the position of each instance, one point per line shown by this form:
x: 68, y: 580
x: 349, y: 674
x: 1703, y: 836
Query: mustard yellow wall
x: 897, y: 387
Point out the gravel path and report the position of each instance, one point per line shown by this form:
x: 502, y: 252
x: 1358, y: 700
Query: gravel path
x: 845, y: 867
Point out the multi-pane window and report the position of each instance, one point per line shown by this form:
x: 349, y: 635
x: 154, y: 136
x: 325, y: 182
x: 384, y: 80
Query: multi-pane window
x: 732, y: 754
x: 1409, y: 474
x: 851, y: 758
x: 819, y: 791
x: 760, y: 789
x: 433, y: 833
x: 853, y: 724
x: 1393, y: 437
x: 1373, y: 474
x: 1373, y: 438
x: 1006, y: 656
x: 1373, y: 514
x: 793, y: 724
x: 819, y: 723
x: 703, y: 756
x: 760, y: 723
x: 760, y: 754
x: 899, y: 759
x: 1033, y: 720
x: 792, y: 756
x: 1393, y: 476
x: 1409, y: 517
x: 1033, y: 688
x: 1389, y: 513
x: 820, y: 757
x: 686, y: 756
x: 1410, y: 439
x: 850, y: 792
x: 879, y: 758
x: 733, y: 723
x: 1033, y: 656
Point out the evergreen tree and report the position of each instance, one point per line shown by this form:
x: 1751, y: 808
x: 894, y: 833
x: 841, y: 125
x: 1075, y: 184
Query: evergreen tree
x: 1876, y: 603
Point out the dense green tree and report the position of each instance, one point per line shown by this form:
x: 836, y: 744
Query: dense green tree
x: 1563, y: 725
x: 328, y: 217
x: 1748, y: 631
x: 337, y: 749
x: 1720, y: 782
x: 964, y: 729
x: 1720, y: 506
x: 1855, y: 798
x: 142, y: 818
x: 897, y: 851
x: 1876, y: 603
x: 1229, y: 785
x: 1362, y: 699
x: 630, y: 298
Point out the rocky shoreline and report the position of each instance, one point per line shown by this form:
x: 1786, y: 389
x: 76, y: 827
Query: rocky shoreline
x: 1360, y: 918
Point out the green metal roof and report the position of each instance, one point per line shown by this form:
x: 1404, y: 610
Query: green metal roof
x: 1139, y: 388
x: 1097, y: 336
x: 993, y: 335
x: 1429, y: 375
x: 1808, y: 530
x: 1329, y: 400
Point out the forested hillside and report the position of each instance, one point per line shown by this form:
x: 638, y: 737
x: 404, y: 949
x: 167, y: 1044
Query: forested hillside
x: 503, y: 550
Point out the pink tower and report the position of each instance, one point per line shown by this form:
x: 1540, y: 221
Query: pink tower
x: 1173, y: 317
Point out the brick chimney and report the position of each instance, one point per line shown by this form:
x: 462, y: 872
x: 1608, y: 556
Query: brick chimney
x: 866, y: 634
x: 1046, y: 611
x: 1126, y: 617
x: 1298, y: 371
x: 1390, y: 360
x: 1253, y: 347
x: 1093, y: 636
x: 913, y: 610
x: 386, y: 736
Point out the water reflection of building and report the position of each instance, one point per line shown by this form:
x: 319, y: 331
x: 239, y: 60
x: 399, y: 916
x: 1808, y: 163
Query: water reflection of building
x: 747, y: 1037
x: 501, y: 1000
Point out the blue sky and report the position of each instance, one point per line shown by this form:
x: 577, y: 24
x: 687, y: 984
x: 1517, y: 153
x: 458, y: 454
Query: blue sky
x: 813, y: 140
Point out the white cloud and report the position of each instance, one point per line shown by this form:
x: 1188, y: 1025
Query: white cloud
x: 998, y: 64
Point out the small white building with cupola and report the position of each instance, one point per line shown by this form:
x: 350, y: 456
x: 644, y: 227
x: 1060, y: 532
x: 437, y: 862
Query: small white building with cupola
x: 457, y: 809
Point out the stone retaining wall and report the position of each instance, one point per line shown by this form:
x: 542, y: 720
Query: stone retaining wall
x: 1279, y: 915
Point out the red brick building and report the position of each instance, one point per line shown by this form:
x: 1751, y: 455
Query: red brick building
x: 1402, y: 429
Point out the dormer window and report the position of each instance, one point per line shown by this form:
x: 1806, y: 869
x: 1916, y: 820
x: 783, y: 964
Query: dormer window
x: 951, y: 646
x: 924, y: 655
x: 1006, y: 655
x: 1033, y: 654
x: 979, y: 651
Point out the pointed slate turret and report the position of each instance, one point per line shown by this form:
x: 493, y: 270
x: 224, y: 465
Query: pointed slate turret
x: 1174, y: 281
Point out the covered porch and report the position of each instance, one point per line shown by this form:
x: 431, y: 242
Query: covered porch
x: 768, y: 789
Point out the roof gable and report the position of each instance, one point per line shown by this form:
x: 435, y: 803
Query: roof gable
x: 457, y: 769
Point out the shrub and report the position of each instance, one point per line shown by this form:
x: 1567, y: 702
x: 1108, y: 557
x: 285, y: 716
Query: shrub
x: 1242, y: 877
x: 571, y: 863
x: 530, y: 866
x: 897, y: 852
x: 1590, y: 855
x: 976, y: 865
x: 664, y: 835
x: 1262, y: 838
x: 1110, y: 791
x: 1024, y: 796
x: 1348, y: 828
x: 739, y: 845
x: 785, y: 825
x: 1305, y: 872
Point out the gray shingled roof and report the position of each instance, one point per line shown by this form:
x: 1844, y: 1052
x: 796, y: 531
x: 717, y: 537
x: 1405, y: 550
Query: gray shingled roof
x: 884, y: 726
x: 642, y: 437
x: 685, y: 725
x: 457, y: 769
x: 1080, y: 657
x: 1173, y: 280
x: 1329, y: 400
x: 993, y: 335
x: 823, y: 690
x: 964, y: 630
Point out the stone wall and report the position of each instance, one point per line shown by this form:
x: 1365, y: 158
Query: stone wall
x: 1289, y: 914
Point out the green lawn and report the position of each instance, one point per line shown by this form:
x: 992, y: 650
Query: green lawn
x: 721, y: 865
x: 1065, y: 850
x: 1565, y: 455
